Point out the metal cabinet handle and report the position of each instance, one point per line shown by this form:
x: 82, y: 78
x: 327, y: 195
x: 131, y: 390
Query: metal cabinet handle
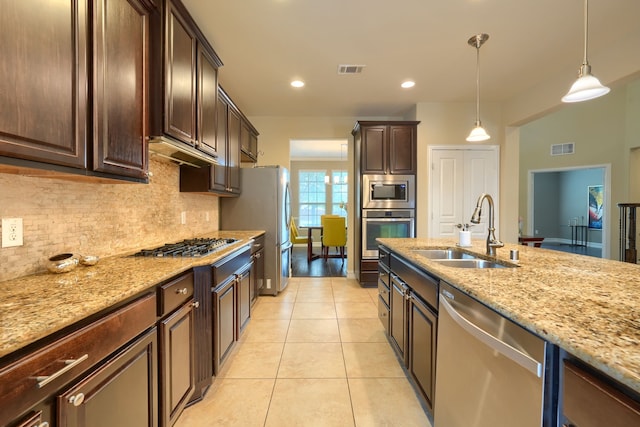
x: 182, y: 291
x: 77, y: 399
x: 195, y: 304
x: 43, y: 380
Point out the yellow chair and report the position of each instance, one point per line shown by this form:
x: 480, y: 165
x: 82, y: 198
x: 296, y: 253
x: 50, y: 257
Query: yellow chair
x: 334, y: 233
x: 322, y: 217
x: 295, y: 237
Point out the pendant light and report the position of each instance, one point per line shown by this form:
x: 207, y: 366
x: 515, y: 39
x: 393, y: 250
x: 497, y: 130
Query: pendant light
x: 478, y: 133
x: 587, y: 86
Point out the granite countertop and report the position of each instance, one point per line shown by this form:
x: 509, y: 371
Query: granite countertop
x: 588, y: 306
x: 33, y: 307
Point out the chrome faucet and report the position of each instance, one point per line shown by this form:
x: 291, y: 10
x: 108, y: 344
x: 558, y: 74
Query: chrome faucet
x: 492, y: 242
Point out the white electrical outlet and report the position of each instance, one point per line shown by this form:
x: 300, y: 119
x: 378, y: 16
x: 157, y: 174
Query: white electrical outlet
x: 11, y: 232
x: 268, y: 283
x: 183, y: 218
x: 206, y: 216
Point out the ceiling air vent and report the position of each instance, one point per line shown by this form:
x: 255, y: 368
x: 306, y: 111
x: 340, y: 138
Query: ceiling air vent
x: 350, y: 69
x: 562, y: 149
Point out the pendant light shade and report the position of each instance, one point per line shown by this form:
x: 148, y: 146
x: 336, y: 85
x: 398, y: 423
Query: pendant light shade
x: 587, y: 86
x: 478, y: 134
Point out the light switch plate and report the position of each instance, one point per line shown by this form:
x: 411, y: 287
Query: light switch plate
x: 11, y: 232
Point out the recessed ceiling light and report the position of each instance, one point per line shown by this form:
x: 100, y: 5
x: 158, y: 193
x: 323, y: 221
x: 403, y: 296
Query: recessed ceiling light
x: 297, y: 83
x: 408, y: 84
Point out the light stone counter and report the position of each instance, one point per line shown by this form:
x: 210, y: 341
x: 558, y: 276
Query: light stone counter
x: 588, y: 306
x: 36, y: 306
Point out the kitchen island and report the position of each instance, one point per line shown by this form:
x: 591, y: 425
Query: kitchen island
x: 589, y: 307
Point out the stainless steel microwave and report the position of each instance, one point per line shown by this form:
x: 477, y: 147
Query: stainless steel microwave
x: 388, y: 191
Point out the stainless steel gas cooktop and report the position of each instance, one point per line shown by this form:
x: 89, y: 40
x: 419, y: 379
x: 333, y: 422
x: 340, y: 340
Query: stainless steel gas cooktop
x: 188, y: 248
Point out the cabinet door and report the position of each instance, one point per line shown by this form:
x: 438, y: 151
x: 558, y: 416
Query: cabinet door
x: 402, y: 150
x: 207, y: 99
x: 422, y: 346
x: 233, y: 152
x: 398, y: 318
x: 176, y: 363
x: 180, y: 78
x: 219, y: 171
x: 122, y: 392
x: 43, y: 113
x: 244, y: 299
x: 374, y: 150
x: 257, y: 275
x: 589, y: 401
x: 225, y: 323
x: 120, y: 104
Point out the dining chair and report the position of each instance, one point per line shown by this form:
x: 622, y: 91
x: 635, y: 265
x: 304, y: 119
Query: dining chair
x: 334, y: 234
x: 295, y: 236
x: 322, y: 218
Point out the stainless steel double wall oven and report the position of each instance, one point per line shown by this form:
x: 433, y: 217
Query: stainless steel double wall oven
x: 388, y: 209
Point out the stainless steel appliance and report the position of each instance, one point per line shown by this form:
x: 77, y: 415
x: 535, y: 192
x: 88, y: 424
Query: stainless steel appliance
x: 187, y: 248
x: 489, y: 370
x: 388, y: 191
x: 264, y: 204
x: 384, y: 223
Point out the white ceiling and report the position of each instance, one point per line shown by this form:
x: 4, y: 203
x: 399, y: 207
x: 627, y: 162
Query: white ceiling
x: 264, y: 44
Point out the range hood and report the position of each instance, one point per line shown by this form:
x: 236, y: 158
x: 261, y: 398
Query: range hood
x: 180, y: 152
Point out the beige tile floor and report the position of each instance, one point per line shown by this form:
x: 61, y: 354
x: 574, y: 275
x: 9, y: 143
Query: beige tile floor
x: 316, y: 355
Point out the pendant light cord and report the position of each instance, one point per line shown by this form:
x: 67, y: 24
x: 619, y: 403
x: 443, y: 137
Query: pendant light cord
x: 586, y: 31
x: 477, y: 82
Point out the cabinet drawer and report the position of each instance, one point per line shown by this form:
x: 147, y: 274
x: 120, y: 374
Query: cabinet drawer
x: 49, y: 368
x: 172, y: 294
x: 383, y: 290
x: 383, y: 314
x: 590, y: 402
x: 258, y: 243
x: 230, y: 265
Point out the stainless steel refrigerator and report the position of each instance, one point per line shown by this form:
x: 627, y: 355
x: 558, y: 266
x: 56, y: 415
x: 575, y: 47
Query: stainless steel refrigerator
x: 264, y: 204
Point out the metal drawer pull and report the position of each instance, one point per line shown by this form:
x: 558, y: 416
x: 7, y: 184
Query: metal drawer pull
x: 71, y: 363
x: 195, y: 304
x: 182, y: 291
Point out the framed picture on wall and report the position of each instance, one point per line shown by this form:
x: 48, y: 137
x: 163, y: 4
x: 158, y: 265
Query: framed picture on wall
x: 596, y: 206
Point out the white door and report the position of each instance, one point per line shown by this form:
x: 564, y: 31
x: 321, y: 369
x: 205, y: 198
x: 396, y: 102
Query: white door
x: 459, y: 175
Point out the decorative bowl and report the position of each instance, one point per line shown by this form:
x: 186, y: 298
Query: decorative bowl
x: 88, y: 259
x: 62, y: 263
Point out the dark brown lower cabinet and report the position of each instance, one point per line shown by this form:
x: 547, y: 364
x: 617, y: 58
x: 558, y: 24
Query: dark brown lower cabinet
x: 176, y: 363
x: 398, y: 319
x: 590, y: 401
x: 224, y: 309
x: 422, y: 346
x: 244, y: 297
x: 121, y: 392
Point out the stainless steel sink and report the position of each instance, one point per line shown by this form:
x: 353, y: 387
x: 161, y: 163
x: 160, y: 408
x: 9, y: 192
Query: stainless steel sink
x: 472, y: 263
x: 443, y: 254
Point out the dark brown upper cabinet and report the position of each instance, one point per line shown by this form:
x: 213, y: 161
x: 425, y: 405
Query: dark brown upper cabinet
x: 185, y: 84
x: 222, y: 178
x: 66, y: 107
x: 387, y: 148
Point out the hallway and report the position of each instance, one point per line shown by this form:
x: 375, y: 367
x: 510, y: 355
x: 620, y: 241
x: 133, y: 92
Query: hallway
x: 315, y: 355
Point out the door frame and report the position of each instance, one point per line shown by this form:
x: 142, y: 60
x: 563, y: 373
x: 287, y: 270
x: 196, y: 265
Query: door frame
x: 467, y: 147
x: 606, y: 247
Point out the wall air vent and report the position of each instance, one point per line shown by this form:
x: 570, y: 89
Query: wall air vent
x: 350, y: 69
x: 562, y: 149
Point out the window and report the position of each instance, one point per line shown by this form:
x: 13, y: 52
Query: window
x: 320, y: 192
x: 313, y: 198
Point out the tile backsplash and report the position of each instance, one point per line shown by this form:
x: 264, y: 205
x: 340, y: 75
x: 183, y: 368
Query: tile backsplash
x: 98, y: 219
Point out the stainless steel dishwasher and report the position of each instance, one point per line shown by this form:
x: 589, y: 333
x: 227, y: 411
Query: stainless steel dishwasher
x: 489, y: 371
